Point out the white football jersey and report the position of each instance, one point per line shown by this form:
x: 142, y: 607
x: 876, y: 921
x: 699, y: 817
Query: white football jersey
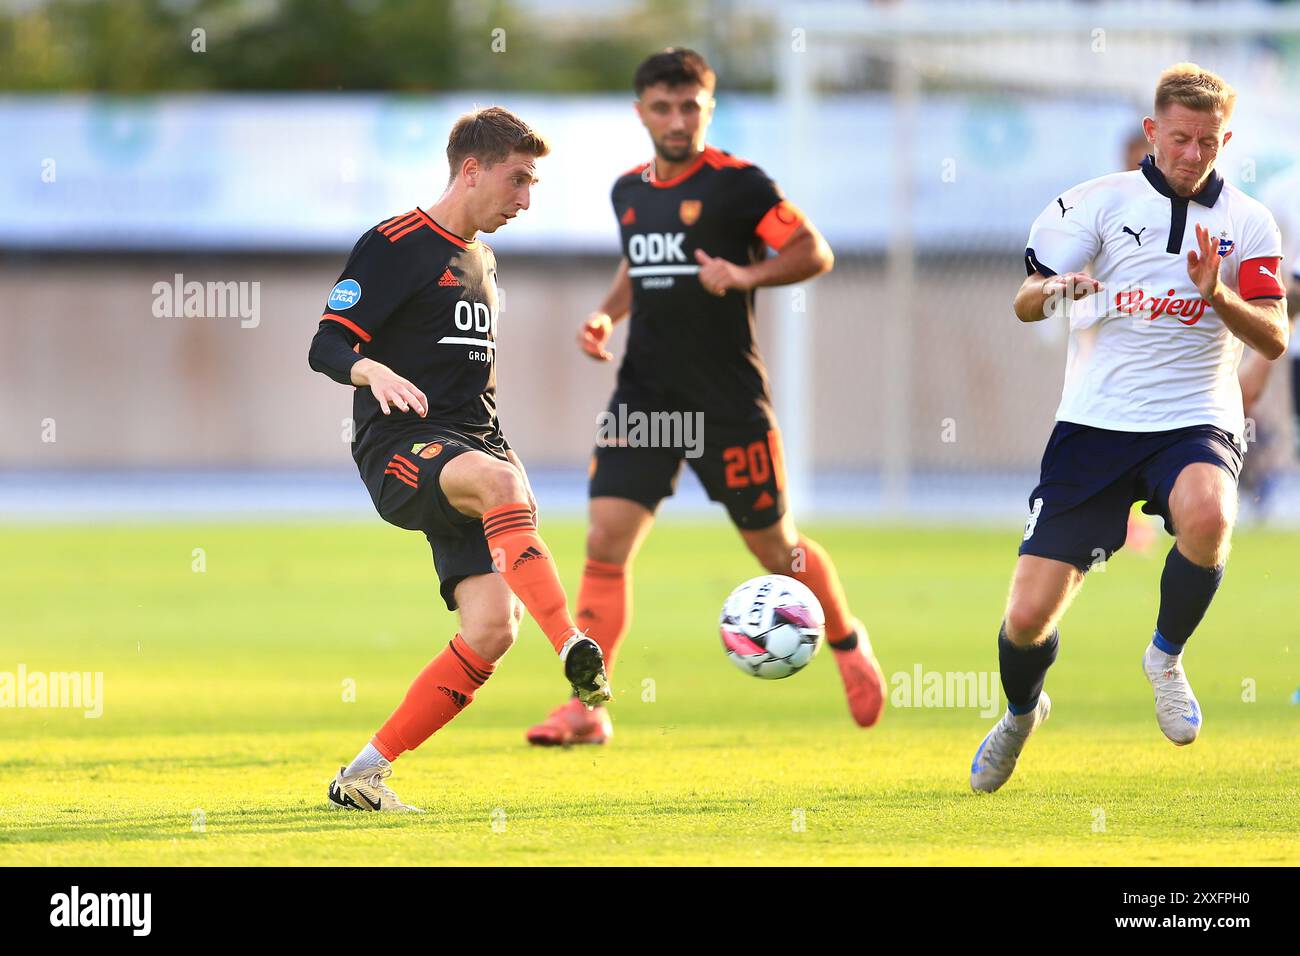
x: 1147, y: 353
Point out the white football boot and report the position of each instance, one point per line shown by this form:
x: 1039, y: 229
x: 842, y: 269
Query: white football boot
x: 365, y: 790
x: 1177, y: 711
x: 996, y: 758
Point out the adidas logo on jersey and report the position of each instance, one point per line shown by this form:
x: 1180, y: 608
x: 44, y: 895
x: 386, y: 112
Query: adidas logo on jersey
x: 628, y: 218
x: 530, y: 554
x: 448, y: 278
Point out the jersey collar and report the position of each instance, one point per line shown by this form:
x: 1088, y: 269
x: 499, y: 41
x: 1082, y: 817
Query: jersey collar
x: 447, y: 233
x: 649, y: 174
x: 1207, y: 197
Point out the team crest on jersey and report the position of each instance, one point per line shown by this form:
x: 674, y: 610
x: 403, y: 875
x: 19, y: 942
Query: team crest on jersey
x: 1225, y: 245
x: 689, y: 210
x: 344, y: 295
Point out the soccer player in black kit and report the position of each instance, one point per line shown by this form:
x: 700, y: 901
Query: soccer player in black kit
x: 694, y: 223
x: 412, y: 324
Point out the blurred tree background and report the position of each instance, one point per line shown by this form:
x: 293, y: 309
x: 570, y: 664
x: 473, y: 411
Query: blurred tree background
x: 148, y: 46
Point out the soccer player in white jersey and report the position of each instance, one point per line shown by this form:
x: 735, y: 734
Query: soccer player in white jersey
x: 1165, y: 274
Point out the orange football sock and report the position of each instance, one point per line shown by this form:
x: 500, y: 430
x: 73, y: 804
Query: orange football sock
x: 820, y: 577
x: 523, y: 559
x: 444, y: 688
x: 605, y: 606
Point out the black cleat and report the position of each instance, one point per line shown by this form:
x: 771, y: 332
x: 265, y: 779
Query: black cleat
x: 584, y: 666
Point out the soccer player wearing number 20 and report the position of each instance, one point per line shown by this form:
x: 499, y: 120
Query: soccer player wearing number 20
x: 695, y: 223
x: 412, y: 324
x: 1185, y: 269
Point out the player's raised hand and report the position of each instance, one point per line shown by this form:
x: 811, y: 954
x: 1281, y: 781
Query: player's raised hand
x: 1072, y: 285
x: 1203, y: 269
x: 719, y: 275
x: 593, y: 335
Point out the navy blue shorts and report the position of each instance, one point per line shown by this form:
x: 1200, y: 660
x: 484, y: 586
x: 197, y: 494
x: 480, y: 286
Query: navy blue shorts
x: 1091, y: 477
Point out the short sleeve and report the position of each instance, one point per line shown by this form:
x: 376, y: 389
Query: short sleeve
x: 763, y: 209
x: 1064, y: 237
x: 1259, y: 251
x: 374, y: 284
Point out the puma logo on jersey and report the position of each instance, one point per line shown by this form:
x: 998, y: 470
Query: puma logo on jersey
x: 656, y: 247
x: 1064, y: 208
x: 1272, y: 275
x: 1136, y: 235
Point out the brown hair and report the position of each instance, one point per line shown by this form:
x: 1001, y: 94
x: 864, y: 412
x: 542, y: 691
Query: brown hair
x: 1196, y: 88
x: 490, y: 135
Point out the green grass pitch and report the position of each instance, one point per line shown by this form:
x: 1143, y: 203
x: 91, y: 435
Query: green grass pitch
x: 225, y: 712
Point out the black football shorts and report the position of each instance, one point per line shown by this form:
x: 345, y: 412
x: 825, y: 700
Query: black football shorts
x: 402, y: 475
x: 740, y: 464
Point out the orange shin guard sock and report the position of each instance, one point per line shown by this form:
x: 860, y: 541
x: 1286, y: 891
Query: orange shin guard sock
x: 820, y: 577
x: 605, y: 606
x: 444, y: 688
x: 523, y: 559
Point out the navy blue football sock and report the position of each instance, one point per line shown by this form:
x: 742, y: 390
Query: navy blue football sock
x: 1186, y: 591
x: 1025, y: 669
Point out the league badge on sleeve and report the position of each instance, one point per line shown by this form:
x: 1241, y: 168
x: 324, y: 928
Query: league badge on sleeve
x: 344, y: 295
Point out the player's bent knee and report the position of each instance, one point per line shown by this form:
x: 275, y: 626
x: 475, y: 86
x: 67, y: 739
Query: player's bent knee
x: 501, y: 486
x: 1027, y: 621
x: 491, y: 639
x: 1203, y: 533
x: 609, y: 546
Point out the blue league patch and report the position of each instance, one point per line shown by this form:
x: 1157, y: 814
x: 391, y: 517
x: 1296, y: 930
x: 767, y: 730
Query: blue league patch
x: 344, y: 295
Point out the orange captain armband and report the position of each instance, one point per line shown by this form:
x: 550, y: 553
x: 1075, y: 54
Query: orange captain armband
x: 780, y: 223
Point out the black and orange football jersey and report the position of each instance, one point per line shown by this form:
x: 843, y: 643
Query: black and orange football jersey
x: 688, y: 349
x: 423, y: 301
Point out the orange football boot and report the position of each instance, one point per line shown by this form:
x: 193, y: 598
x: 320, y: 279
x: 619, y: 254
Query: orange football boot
x: 572, y: 723
x: 864, y: 682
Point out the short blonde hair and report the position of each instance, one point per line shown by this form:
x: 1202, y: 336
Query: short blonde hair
x: 1196, y: 88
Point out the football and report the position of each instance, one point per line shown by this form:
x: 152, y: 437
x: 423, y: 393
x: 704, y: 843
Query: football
x: 771, y: 626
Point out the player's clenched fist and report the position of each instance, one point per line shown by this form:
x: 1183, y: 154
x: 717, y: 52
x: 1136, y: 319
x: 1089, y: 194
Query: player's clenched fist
x: 594, y: 334
x: 389, y: 388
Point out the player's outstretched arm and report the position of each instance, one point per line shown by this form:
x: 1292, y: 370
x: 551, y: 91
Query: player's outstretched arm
x: 596, y: 330
x: 389, y: 388
x: 1039, y: 295
x: 1260, y: 323
x: 804, y: 255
